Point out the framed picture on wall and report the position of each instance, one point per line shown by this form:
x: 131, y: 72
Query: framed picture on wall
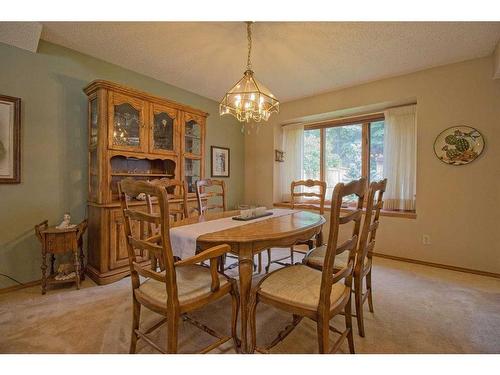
x: 10, y: 140
x: 219, y: 161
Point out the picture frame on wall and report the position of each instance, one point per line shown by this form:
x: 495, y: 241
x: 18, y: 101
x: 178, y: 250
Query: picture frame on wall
x: 279, y: 156
x: 220, y: 161
x: 10, y: 140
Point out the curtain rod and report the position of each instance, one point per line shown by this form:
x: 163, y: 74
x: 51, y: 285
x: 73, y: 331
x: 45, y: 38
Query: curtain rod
x: 360, y: 117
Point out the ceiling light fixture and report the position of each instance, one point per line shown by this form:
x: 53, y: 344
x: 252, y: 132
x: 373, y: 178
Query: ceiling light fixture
x: 249, y: 99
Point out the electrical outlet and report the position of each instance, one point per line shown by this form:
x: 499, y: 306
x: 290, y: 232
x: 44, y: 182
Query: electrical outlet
x: 426, y: 239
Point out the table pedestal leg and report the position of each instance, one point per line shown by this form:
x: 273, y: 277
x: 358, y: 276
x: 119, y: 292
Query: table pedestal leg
x: 245, y: 257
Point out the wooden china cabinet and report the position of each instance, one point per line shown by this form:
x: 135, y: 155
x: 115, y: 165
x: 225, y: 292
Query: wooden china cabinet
x: 134, y: 134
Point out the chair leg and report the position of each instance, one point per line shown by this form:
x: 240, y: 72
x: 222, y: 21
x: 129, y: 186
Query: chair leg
x: 259, y: 267
x: 319, y: 239
x: 348, y: 325
x: 268, y: 260
x: 222, y: 263
x: 154, y: 263
x: 136, y: 318
x: 252, y: 308
x: 369, y: 289
x: 172, y: 331
x: 310, y: 244
x: 358, y: 297
x: 235, y: 303
x: 291, y: 255
x: 323, y: 330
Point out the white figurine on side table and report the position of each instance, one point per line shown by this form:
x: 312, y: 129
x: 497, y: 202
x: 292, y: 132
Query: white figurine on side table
x: 65, y: 224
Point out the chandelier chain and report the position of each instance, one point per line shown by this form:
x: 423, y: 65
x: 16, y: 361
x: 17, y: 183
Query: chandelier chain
x: 249, y: 38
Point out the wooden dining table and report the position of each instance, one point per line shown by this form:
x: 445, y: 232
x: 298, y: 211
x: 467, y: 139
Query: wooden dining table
x: 252, y: 238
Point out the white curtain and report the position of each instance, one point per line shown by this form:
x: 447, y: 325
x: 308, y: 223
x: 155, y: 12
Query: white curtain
x: 400, y: 158
x: 293, y: 146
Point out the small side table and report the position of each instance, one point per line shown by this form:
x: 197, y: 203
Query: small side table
x: 59, y: 241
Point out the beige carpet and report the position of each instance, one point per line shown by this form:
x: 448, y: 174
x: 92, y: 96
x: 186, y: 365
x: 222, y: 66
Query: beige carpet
x: 418, y: 309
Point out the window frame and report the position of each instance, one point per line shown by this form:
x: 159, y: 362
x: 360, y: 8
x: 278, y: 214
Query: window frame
x: 365, y: 122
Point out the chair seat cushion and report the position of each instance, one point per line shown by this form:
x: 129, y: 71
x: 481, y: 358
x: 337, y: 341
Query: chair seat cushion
x: 298, y: 285
x: 316, y: 257
x: 193, y: 282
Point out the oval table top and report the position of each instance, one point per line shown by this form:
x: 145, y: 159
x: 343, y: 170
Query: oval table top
x: 269, y: 229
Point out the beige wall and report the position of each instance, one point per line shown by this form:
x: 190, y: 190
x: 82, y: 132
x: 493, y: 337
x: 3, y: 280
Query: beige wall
x: 54, y: 144
x: 458, y: 207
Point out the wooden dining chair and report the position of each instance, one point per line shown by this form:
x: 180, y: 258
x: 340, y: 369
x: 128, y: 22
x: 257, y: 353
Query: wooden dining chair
x: 204, y: 196
x: 184, y: 286
x: 319, y: 295
x: 203, y: 207
x: 176, y: 191
x: 308, y: 200
x: 177, y: 197
x: 363, y: 267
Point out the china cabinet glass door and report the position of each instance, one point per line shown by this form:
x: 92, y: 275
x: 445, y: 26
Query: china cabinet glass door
x: 93, y: 149
x: 192, y: 173
x: 127, y: 123
x: 192, y: 135
x: 163, y: 129
x: 94, y: 125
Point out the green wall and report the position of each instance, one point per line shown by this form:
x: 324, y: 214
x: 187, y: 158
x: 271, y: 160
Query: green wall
x: 54, y: 139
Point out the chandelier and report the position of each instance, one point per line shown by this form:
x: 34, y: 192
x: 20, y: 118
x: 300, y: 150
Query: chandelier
x: 249, y: 99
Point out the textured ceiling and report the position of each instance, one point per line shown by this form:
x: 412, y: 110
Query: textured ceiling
x: 23, y: 35
x: 293, y: 59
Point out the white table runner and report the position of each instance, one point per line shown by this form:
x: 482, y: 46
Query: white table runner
x: 183, y: 239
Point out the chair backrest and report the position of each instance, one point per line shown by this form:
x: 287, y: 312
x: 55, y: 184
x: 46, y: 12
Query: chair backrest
x: 176, y: 190
x: 374, y: 204
x: 158, y: 244
x: 341, y: 190
x: 202, y: 194
x: 308, y: 199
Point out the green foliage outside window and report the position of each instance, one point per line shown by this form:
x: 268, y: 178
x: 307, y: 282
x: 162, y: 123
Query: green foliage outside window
x: 343, y: 151
x: 311, y: 154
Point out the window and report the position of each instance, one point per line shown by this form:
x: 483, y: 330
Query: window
x: 343, y: 155
x: 342, y: 152
x: 376, y: 150
x: 377, y: 146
